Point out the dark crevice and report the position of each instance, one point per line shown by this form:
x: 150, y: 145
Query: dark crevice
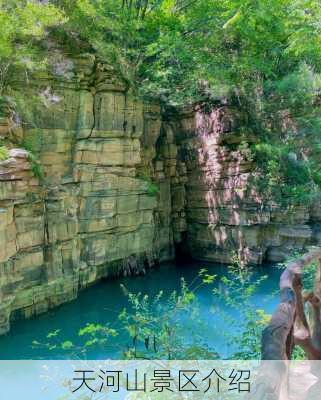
x: 94, y: 94
x: 46, y: 223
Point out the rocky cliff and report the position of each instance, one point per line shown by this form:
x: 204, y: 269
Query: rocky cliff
x: 104, y: 205
x: 123, y: 187
x: 227, y: 216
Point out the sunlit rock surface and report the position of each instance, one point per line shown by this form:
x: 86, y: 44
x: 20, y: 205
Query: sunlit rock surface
x: 125, y: 187
x: 97, y: 212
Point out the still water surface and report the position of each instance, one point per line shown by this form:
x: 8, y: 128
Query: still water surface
x: 103, y: 302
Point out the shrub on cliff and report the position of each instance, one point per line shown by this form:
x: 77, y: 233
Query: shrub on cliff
x: 4, y: 153
x: 23, y: 24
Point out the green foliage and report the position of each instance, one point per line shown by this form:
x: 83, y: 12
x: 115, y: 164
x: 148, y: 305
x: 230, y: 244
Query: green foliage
x: 298, y: 354
x: 36, y: 167
x: 287, y: 124
x: 67, y: 345
x: 152, y: 189
x: 32, y: 144
x: 181, y: 49
x: 286, y: 179
x: 4, y: 153
x: 53, y: 334
x: 22, y: 25
x: 239, y: 286
x: 154, y: 325
x: 96, y: 334
x: 264, y: 56
x: 92, y: 336
x: 308, y: 276
x: 154, y: 328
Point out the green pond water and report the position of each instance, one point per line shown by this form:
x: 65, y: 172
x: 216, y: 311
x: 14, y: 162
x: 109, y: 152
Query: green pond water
x: 102, y: 303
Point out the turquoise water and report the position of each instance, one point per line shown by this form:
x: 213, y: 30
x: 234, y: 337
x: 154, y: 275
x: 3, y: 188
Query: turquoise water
x: 103, y: 302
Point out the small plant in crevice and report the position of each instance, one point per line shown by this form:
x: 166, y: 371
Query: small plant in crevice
x: 152, y: 188
x: 36, y: 166
x: 4, y: 153
x: 32, y: 143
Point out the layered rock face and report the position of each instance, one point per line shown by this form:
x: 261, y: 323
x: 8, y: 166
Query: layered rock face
x: 96, y: 213
x: 123, y: 188
x: 227, y: 218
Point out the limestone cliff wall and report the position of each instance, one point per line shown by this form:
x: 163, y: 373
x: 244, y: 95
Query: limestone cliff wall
x: 123, y: 188
x: 96, y: 212
x: 227, y: 218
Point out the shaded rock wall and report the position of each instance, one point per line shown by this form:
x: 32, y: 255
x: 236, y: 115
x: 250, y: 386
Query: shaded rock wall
x: 226, y: 216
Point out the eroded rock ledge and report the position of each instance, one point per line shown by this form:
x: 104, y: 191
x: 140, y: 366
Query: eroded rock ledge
x: 123, y: 186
